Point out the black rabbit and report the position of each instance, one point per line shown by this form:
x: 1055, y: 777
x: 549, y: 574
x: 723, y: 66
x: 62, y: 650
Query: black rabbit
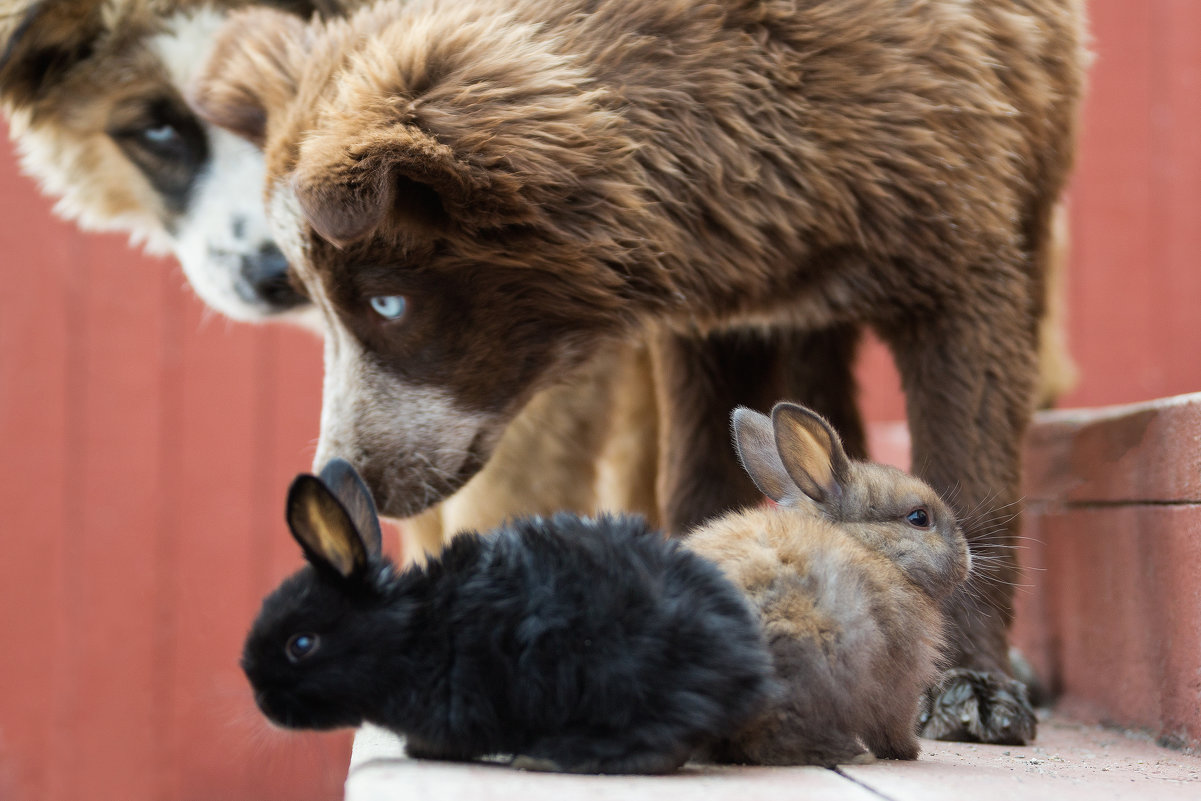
x: 577, y: 644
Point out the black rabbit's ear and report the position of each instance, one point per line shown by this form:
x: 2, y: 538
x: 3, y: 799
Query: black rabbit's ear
x: 756, y: 446
x: 348, y: 486
x: 811, y: 452
x: 323, y: 527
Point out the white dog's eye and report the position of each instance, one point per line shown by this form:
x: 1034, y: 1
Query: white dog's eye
x: 160, y: 134
x: 390, y: 307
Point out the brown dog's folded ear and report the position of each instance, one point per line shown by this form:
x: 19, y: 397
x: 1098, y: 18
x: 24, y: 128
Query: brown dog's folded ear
x: 252, y: 71
x: 41, y: 45
x: 348, y: 187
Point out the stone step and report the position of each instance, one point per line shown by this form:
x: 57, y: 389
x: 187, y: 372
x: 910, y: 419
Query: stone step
x: 1069, y: 761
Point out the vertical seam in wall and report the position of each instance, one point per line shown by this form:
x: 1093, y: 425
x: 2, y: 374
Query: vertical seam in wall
x: 166, y: 556
x: 262, y: 501
x: 1157, y: 177
x: 265, y: 414
x: 60, y: 784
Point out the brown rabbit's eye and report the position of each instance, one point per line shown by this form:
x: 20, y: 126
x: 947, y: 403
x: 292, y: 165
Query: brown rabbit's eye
x: 918, y: 518
x: 301, y: 646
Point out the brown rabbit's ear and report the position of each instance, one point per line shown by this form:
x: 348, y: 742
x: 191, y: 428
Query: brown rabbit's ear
x: 323, y: 527
x: 252, y: 72
x: 811, y: 452
x: 348, y: 486
x: 756, y: 446
x: 43, y: 44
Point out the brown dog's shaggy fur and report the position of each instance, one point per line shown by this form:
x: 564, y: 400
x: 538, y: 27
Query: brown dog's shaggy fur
x: 535, y: 177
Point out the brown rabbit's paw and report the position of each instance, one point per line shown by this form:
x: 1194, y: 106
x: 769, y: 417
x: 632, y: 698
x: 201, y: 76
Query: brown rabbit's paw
x: 535, y: 764
x: 862, y: 758
x: 975, y: 706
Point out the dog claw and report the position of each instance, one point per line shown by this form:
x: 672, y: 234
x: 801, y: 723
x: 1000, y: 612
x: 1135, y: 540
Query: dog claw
x: 975, y: 706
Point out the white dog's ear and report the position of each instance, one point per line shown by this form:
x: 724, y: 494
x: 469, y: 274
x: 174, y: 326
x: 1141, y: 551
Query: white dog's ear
x: 252, y: 73
x: 41, y: 45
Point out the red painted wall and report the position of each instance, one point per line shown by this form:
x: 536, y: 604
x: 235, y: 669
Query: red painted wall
x: 146, y: 446
x: 146, y: 449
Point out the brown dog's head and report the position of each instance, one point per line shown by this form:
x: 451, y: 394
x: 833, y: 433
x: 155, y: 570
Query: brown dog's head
x: 448, y: 210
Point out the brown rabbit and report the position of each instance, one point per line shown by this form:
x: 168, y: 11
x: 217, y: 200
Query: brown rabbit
x: 848, y: 575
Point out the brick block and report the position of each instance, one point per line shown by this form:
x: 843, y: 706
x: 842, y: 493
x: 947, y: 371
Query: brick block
x: 1122, y: 590
x: 1146, y: 452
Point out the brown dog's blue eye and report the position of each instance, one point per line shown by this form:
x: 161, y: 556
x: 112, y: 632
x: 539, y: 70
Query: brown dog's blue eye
x: 301, y: 646
x: 390, y: 307
x: 918, y: 518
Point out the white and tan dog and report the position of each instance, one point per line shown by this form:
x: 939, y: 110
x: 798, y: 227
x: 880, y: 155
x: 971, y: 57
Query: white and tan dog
x: 94, y: 93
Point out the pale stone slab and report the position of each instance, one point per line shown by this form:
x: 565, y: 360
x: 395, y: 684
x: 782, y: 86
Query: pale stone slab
x: 1067, y: 762
x: 380, y: 772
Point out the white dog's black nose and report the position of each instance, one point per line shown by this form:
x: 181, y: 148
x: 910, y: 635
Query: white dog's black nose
x: 265, y: 281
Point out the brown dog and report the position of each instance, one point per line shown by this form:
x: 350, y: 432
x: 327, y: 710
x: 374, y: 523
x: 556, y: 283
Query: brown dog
x: 478, y: 194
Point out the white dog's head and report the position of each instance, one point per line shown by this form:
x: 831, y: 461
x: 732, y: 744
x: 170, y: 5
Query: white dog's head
x: 94, y: 91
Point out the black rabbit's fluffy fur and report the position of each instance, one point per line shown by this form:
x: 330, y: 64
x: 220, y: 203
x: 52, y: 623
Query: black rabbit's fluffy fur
x: 587, y: 645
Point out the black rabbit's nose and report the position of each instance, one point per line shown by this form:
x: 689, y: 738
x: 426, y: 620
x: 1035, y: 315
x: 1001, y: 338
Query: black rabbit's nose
x: 265, y: 281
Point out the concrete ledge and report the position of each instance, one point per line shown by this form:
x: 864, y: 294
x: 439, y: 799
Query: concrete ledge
x: 1110, y: 611
x: 379, y: 771
x: 1110, y: 614
x: 1069, y: 762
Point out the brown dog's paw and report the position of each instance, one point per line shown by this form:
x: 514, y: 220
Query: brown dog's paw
x: 975, y: 706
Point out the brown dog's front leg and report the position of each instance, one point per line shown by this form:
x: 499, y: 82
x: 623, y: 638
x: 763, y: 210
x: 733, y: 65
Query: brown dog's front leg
x: 819, y: 373
x: 701, y: 379
x: 969, y: 377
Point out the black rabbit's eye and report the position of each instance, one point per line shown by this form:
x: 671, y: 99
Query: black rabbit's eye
x: 918, y: 518
x: 301, y: 646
